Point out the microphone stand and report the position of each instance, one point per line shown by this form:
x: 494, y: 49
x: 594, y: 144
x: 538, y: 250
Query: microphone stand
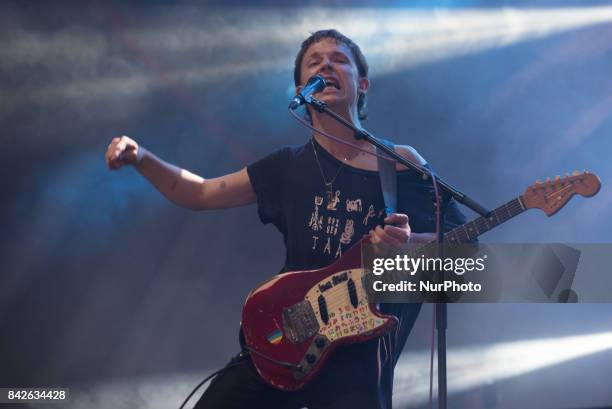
x: 441, y: 312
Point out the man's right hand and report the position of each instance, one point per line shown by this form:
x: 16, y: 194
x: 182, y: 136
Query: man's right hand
x: 123, y: 151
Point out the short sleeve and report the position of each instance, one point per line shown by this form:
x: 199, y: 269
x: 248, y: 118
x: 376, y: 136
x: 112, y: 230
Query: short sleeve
x: 267, y: 180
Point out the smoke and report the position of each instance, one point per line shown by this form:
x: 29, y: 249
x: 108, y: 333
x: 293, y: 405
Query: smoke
x: 193, y: 46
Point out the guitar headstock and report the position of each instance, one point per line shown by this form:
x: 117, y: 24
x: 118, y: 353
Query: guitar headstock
x: 551, y: 195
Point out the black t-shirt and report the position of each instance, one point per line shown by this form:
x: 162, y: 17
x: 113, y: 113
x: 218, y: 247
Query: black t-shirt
x: 318, y: 227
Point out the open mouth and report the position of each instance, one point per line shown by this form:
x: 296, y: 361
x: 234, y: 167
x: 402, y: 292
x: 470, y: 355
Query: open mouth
x: 331, y: 83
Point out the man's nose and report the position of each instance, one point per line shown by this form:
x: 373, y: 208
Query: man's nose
x: 326, y: 66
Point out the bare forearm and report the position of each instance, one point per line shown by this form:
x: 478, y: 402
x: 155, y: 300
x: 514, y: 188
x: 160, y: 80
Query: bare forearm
x: 177, y: 185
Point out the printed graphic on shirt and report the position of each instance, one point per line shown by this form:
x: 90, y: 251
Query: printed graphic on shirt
x: 314, y: 242
x: 353, y: 205
x: 371, y: 213
x: 316, y: 221
x: 338, y: 251
x: 335, y: 223
x: 347, y: 235
x: 332, y: 226
x: 327, y: 249
x: 333, y: 201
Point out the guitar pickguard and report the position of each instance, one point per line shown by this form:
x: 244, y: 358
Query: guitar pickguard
x: 337, y: 313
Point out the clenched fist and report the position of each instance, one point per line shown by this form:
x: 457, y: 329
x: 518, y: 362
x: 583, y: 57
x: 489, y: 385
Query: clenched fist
x: 123, y: 151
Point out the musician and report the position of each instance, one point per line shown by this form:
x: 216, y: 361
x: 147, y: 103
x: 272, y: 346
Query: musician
x: 323, y: 197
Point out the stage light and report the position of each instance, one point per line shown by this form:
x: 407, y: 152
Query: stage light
x: 210, y: 46
x: 470, y: 367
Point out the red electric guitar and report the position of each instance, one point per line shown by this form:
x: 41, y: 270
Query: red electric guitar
x: 294, y: 321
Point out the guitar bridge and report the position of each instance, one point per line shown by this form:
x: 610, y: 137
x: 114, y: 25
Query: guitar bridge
x: 300, y: 322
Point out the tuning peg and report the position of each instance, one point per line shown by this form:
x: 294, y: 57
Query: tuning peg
x: 547, y: 180
x: 575, y: 173
x: 538, y: 181
x: 558, y: 177
x: 585, y: 172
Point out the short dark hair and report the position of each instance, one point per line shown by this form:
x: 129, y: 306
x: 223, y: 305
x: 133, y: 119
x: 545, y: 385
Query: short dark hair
x: 360, y: 61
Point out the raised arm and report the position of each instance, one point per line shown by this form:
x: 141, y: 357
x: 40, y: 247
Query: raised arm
x: 179, y: 185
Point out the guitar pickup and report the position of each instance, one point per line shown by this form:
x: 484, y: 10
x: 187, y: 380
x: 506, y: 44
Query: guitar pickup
x: 340, y: 278
x: 323, y: 309
x: 352, y: 290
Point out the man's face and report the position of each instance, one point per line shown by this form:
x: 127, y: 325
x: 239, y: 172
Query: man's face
x: 334, y: 61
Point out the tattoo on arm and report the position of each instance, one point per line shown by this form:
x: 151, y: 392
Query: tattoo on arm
x: 222, y: 185
x: 174, y: 183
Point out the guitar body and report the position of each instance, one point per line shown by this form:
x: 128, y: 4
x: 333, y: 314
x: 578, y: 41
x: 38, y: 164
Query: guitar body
x: 294, y: 321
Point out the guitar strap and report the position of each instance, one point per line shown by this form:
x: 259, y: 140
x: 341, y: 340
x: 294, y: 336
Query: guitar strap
x: 388, y: 179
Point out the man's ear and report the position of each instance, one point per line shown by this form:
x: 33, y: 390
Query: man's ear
x: 364, y: 84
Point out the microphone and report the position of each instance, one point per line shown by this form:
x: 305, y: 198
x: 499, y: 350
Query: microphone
x: 315, y: 84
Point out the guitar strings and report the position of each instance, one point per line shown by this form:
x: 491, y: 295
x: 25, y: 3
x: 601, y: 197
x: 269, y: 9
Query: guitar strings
x: 336, y: 299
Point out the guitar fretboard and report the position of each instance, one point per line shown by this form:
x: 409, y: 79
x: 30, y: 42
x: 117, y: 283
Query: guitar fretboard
x: 470, y: 230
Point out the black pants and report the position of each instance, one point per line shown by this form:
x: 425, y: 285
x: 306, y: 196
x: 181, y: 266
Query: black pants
x: 240, y: 387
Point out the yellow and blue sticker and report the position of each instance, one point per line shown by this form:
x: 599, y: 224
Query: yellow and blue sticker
x: 275, y: 337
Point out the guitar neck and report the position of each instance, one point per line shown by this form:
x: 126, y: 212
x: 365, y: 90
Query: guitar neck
x: 471, y: 230
x: 466, y: 232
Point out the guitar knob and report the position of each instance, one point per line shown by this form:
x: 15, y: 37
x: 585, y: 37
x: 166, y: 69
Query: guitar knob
x: 310, y: 358
x: 320, y: 342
